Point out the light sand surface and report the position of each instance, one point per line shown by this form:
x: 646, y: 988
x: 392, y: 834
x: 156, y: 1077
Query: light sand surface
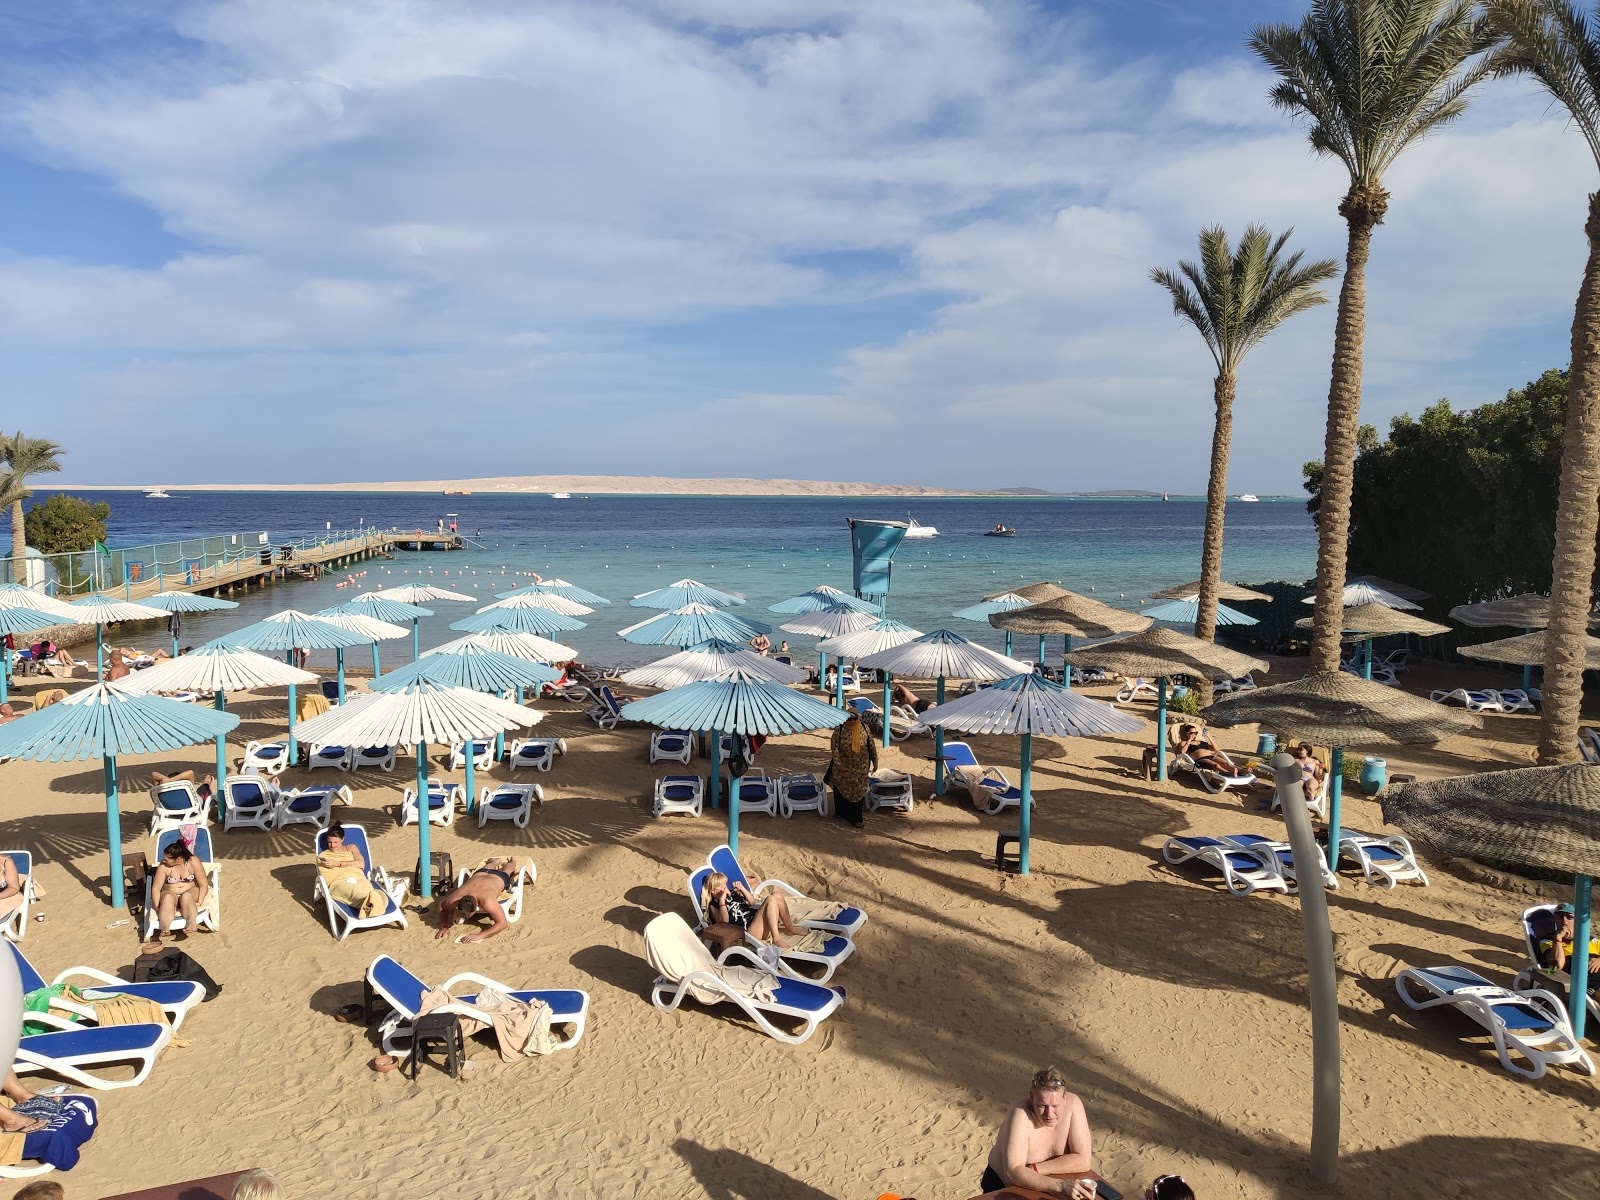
x: 1177, y: 1010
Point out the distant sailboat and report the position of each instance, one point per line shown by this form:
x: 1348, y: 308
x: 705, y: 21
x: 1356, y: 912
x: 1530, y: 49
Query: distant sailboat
x: 1164, y: 496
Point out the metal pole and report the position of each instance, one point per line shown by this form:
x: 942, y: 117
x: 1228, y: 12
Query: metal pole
x: 113, y: 829
x: 1335, y: 794
x: 1066, y: 667
x: 339, y: 654
x: 100, y: 650
x: 1027, y: 803
x: 822, y: 670
x: 293, y: 756
x: 1008, y: 643
x: 416, y: 639
x: 838, y: 682
x: 1324, y: 982
x: 1161, y: 729
x: 887, y: 675
x: 716, y: 766
x: 1578, y: 993
x: 733, y: 813
x: 424, y: 835
x: 938, y: 745
x: 218, y: 702
x: 1366, y: 658
x: 375, y: 671
x: 1041, y: 650
x: 471, y: 795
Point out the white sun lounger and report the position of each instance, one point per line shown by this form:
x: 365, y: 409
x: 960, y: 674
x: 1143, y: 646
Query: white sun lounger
x: 569, y: 1007
x: 265, y: 758
x: 509, y: 802
x: 249, y: 802
x: 1472, y: 701
x: 72, y: 1051
x: 1132, y: 689
x: 311, y: 805
x: 174, y: 998
x: 1538, y: 923
x: 849, y: 920
x: 1387, y: 860
x: 1531, y: 1024
x: 175, y: 804
x: 15, y: 924
x: 757, y: 793
x: 1279, y: 854
x: 381, y: 758
x: 342, y: 918
x: 679, y: 794
x: 605, y: 711
x: 803, y: 792
x: 761, y: 995
x: 960, y: 761
x: 537, y: 753
x: 671, y: 745
x: 340, y: 758
x: 482, y: 755
x: 210, y: 914
x: 1244, y: 873
x: 827, y: 960
x: 442, y: 799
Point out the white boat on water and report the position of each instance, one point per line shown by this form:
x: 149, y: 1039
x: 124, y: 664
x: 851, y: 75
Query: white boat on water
x: 1249, y: 498
x: 157, y: 494
x: 920, y: 531
x: 561, y: 495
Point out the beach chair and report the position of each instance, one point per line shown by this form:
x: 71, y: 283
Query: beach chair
x: 757, y: 793
x: 340, y: 758
x: 891, y: 791
x: 329, y: 689
x: 686, y: 968
x: 175, y: 999
x: 804, y: 792
x: 1245, y: 683
x: 15, y: 923
x: 1472, y: 701
x: 175, y: 804
x: 1243, y: 873
x: 1395, y: 660
x: 509, y: 802
x: 1211, y: 780
x: 312, y: 805
x: 847, y: 920
x: 1538, y: 924
x: 1383, y: 859
x: 1532, y: 1025
x: 210, y: 914
x: 72, y: 1051
x: 343, y: 920
x: 442, y: 798
x: 1280, y: 855
x: 604, y: 711
x: 679, y: 794
x: 1515, y: 700
x: 535, y: 753
x: 1085, y: 676
x: 403, y: 991
x: 482, y: 755
x: 1132, y: 689
x: 1589, y: 744
x: 1318, y: 804
x: 991, y: 782
x: 90, y: 1111
x: 671, y: 745
x: 835, y: 949
x: 511, y: 897
x: 852, y: 679
x: 265, y: 758
x: 380, y: 758
x: 249, y: 802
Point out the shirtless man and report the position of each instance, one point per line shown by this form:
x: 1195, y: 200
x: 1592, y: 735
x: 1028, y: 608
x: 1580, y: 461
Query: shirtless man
x: 479, y: 894
x: 1046, y: 1134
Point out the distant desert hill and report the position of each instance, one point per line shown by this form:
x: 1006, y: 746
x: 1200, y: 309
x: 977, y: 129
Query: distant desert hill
x: 650, y: 485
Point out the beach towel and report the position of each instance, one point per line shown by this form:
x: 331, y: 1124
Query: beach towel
x: 521, y: 1030
x: 47, y: 698
x: 971, y: 778
x: 348, y: 884
x: 803, y: 908
x: 312, y: 704
x: 123, y: 1010
x: 810, y: 942
x: 70, y: 1123
x: 673, y: 951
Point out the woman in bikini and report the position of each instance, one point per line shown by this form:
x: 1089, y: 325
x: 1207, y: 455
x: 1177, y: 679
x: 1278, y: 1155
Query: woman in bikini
x: 765, y: 920
x: 1203, y: 751
x: 1311, y: 770
x: 180, y: 887
x: 11, y: 885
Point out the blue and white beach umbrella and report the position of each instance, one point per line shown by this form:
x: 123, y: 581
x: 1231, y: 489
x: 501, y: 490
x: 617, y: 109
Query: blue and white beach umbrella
x: 1003, y: 602
x: 519, y: 645
x: 557, y: 587
x: 386, y: 608
x: 1027, y: 704
x: 541, y: 599
x: 14, y: 595
x: 1186, y: 611
x: 821, y: 596
x: 858, y: 644
x: 686, y: 591
x: 365, y: 624
x: 101, y: 611
x: 735, y: 703
x: 174, y: 604
x: 518, y: 620
x: 690, y: 625
x: 286, y: 632
x: 711, y: 659
x: 22, y: 621
x: 103, y: 721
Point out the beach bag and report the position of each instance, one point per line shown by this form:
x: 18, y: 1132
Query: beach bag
x: 171, y: 966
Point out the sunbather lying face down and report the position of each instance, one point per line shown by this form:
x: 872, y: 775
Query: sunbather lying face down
x: 1044, y: 1135
x: 479, y: 894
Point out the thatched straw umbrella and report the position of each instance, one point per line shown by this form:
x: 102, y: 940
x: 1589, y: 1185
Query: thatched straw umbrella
x: 1033, y: 593
x: 1526, y: 612
x: 1070, y: 615
x: 1226, y: 591
x: 1371, y: 620
x: 1526, y: 650
x: 1161, y: 653
x: 1545, y: 817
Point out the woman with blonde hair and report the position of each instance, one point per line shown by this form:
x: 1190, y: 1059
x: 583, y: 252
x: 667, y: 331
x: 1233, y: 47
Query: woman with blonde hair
x: 256, y: 1185
x: 766, y: 920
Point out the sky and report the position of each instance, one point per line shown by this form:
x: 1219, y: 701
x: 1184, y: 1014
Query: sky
x: 293, y: 241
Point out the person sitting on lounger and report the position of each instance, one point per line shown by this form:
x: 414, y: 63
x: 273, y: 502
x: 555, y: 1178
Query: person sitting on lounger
x: 904, y: 695
x: 479, y: 894
x: 1556, y: 950
x: 1311, y: 770
x: 1044, y: 1135
x: 206, y: 787
x: 12, y: 883
x: 11, y: 1122
x: 180, y: 886
x: 1203, y: 751
x: 344, y: 873
x: 765, y: 920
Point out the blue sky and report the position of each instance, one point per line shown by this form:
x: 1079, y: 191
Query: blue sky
x: 277, y: 240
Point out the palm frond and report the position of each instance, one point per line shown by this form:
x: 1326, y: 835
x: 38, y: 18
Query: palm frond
x: 1558, y: 46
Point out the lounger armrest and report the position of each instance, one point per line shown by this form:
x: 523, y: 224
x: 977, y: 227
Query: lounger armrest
x: 54, y: 1020
x: 89, y: 973
x: 482, y: 981
x: 777, y: 885
x: 741, y: 951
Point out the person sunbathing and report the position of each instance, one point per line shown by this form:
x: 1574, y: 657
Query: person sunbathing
x: 1311, y: 770
x: 480, y: 894
x: 733, y: 905
x: 1556, y: 950
x: 180, y: 886
x: 12, y: 886
x: 1044, y: 1135
x: 7, y: 713
x: 1203, y: 751
x: 343, y: 870
x: 904, y: 695
x: 205, y: 788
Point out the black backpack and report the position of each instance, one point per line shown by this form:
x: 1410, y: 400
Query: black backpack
x: 170, y: 966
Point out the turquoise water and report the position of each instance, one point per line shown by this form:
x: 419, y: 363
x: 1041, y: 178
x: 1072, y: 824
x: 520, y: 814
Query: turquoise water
x: 767, y: 547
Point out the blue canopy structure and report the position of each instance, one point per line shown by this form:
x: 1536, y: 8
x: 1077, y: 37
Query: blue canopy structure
x: 556, y: 587
x: 177, y: 603
x: 1187, y: 610
x: 691, y: 625
x: 104, y: 721
x: 288, y: 631
x: 819, y: 597
x: 15, y: 621
x: 686, y: 591
x: 518, y: 620
x: 386, y: 608
x: 736, y: 703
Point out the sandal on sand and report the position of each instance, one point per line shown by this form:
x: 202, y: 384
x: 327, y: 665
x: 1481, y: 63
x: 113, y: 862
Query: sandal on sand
x: 351, y: 1014
x: 384, y: 1063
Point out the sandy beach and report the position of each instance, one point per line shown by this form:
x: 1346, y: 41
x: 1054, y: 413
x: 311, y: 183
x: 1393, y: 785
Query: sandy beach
x: 1177, y: 1011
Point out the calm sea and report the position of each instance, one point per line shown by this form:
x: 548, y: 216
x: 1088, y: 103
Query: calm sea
x: 767, y: 547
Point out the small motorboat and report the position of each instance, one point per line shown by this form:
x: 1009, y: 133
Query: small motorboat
x: 1249, y: 498
x: 919, y: 531
x: 1002, y: 531
x: 157, y: 494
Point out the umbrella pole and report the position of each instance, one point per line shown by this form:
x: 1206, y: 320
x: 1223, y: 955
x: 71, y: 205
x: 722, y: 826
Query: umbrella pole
x: 416, y: 639
x: 100, y: 650
x: 1161, y: 729
x: 113, y: 830
x: 716, y: 766
x: 838, y: 683
x: 218, y: 702
x: 339, y: 652
x: 1008, y: 643
x: 822, y: 670
x: 1041, y: 649
x: 1066, y: 667
x: 470, y: 748
x: 887, y: 676
x: 733, y: 813
x: 938, y: 745
x: 1366, y: 658
x: 5, y: 675
x: 1324, y: 983
x: 1579, y: 989
x: 375, y: 670
x: 1335, y: 795
x: 424, y: 834
x: 1027, y: 803
x: 292, y: 755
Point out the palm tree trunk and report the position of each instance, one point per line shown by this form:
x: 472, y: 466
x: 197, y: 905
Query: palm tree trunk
x: 19, y: 544
x: 1362, y: 210
x: 1572, y: 568
x: 1205, y: 621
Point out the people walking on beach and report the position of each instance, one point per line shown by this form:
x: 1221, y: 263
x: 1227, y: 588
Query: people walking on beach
x: 1045, y: 1135
x: 761, y: 644
x: 855, y: 757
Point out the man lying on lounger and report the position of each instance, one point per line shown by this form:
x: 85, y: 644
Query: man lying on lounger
x: 1044, y: 1135
x: 479, y: 894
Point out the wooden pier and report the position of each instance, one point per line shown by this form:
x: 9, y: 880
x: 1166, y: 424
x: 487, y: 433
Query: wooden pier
x: 268, y: 564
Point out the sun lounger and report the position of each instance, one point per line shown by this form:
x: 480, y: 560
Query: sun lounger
x: 509, y: 802
x: 835, y: 950
x: 1210, y: 779
x: 482, y: 755
x: 569, y: 1008
x: 1514, y: 700
x: 757, y: 793
x: 1132, y: 689
x: 687, y: 969
x: 72, y: 1051
x: 679, y: 794
x: 1280, y: 855
x: 847, y: 921
x: 15, y: 923
x: 1243, y: 872
x: 1539, y: 924
x: 671, y: 745
x: 511, y: 897
x: 249, y: 802
x: 210, y: 914
x: 175, y: 804
x: 1388, y: 859
x: 1245, y: 683
x: 605, y: 711
x: 537, y: 753
x: 32, y: 1169
x: 1472, y: 701
x: 1087, y: 676
x: 343, y: 919
x: 1532, y: 1024
x: 175, y: 998
x: 990, y: 782
x: 442, y: 799
x: 311, y: 805
x: 802, y: 793
x: 890, y: 790
x: 1317, y: 806
x: 265, y: 758
x: 381, y: 758
x: 1589, y: 744
x: 338, y: 757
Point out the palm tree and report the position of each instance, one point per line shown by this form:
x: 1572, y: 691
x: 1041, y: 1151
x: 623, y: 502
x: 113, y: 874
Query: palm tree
x: 1371, y: 77
x: 25, y: 456
x: 1234, y: 298
x: 1559, y: 47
